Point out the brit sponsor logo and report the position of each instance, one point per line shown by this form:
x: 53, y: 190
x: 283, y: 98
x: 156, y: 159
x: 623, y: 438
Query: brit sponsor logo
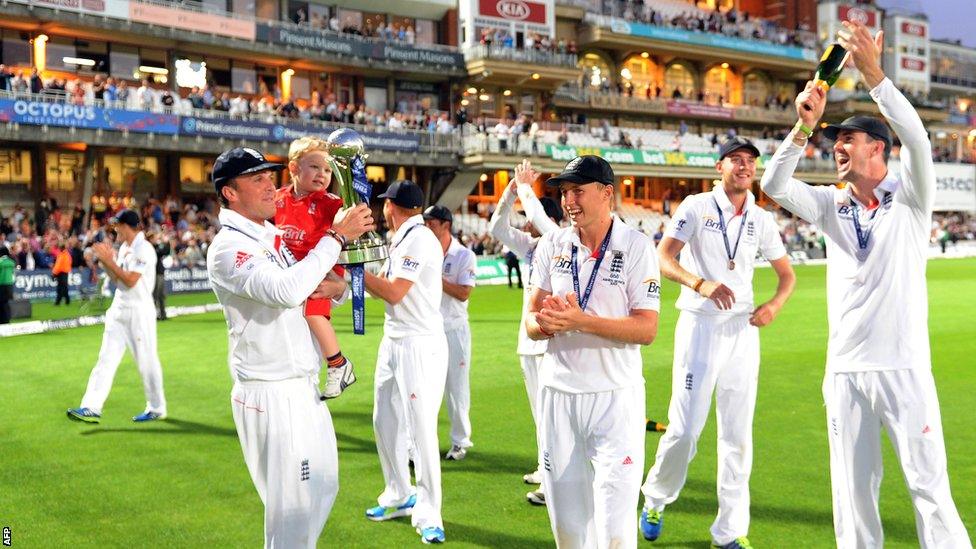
x: 561, y: 264
x: 653, y: 287
x: 410, y: 263
x: 292, y: 233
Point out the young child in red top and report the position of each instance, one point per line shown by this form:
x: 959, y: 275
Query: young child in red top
x: 305, y: 211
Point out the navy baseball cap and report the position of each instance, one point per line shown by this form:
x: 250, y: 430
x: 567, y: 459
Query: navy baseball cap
x: 127, y: 217
x: 584, y: 169
x: 239, y: 161
x: 870, y: 125
x: 552, y: 208
x: 440, y: 213
x: 736, y: 144
x: 404, y: 193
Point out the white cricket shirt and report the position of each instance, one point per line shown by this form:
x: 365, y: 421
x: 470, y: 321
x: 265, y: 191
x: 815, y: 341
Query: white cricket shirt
x: 459, y: 268
x: 262, y: 297
x: 697, y: 224
x: 628, y: 280
x: 877, y: 301
x: 138, y: 257
x: 415, y: 255
x: 523, y: 245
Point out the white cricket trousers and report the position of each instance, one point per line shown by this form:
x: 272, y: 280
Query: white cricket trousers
x: 133, y: 328
x: 530, y: 372
x: 720, y: 354
x: 409, y: 386
x: 458, y: 391
x: 289, y: 447
x: 906, y: 404
x: 593, y: 462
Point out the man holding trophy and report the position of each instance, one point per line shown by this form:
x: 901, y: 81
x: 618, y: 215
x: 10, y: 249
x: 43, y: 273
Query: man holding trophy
x: 285, y: 431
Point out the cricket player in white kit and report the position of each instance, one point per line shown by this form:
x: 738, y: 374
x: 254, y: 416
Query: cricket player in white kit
x: 716, y: 339
x: 879, y: 369
x: 596, y: 299
x: 130, y: 322
x: 458, y: 280
x: 543, y: 217
x: 285, y: 430
x: 411, y: 365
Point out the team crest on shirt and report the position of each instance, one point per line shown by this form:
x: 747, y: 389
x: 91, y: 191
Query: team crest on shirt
x: 311, y: 208
x: 447, y: 267
x: 615, y: 278
x: 751, y: 229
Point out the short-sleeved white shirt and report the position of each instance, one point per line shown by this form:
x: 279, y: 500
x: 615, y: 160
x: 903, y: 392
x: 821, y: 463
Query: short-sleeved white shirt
x: 628, y: 280
x: 415, y: 255
x: 138, y: 257
x: 697, y: 224
x: 459, y: 268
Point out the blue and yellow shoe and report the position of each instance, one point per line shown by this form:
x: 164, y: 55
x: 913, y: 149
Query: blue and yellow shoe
x: 432, y: 534
x: 148, y: 416
x: 380, y: 513
x: 737, y: 543
x: 651, y: 522
x: 84, y: 414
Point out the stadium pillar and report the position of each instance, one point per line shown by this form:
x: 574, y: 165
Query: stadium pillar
x: 88, y: 181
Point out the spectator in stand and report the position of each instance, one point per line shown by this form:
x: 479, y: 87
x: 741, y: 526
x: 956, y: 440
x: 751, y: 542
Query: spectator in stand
x: 5, y: 77
x: 36, y: 85
x: 501, y: 133
x: 145, y: 97
x: 162, y: 248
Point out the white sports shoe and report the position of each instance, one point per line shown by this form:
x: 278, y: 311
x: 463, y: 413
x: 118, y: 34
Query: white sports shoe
x: 338, y: 380
x: 535, y: 477
x: 456, y: 453
x: 536, y: 497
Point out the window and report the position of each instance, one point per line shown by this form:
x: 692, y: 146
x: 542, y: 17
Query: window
x: 426, y: 31
x: 130, y: 173
x: 641, y: 73
x: 594, y: 71
x: 677, y: 76
x: 59, y: 48
x: 16, y: 52
x: 243, y: 79
x: 15, y: 167
x: 243, y: 7
x: 756, y: 89
x: 64, y: 170
x: 195, y: 175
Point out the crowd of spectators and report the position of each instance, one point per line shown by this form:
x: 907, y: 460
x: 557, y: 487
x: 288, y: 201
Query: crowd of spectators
x: 180, y: 231
x: 501, y: 38
x: 731, y: 23
x: 400, y: 31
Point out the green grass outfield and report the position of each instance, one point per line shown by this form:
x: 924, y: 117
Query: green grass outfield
x: 182, y: 483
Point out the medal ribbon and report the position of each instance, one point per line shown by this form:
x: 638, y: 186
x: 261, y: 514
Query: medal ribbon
x: 574, y: 268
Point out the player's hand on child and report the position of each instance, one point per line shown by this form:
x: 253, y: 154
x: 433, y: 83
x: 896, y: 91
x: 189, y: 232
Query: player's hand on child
x: 351, y: 223
x: 720, y: 294
x: 763, y: 315
x: 332, y: 286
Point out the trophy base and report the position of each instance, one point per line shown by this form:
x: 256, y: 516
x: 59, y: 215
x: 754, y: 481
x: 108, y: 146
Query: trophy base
x: 363, y: 250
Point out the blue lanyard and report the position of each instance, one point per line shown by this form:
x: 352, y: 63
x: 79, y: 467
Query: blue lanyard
x: 864, y: 235
x: 729, y: 251
x: 574, y: 268
x: 389, y: 262
x: 271, y: 255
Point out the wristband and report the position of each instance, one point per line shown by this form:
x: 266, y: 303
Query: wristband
x: 698, y: 284
x: 339, y: 238
x: 801, y: 127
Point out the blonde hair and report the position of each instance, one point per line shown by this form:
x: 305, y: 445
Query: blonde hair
x: 304, y: 145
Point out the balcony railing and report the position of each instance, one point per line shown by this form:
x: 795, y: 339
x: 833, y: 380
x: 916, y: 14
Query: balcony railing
x: 518, y: 55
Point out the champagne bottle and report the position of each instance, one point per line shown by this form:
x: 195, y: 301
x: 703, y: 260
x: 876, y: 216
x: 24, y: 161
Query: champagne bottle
x: 830, y: 67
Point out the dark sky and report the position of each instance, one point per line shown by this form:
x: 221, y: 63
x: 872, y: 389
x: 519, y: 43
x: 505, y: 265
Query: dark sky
x: 952, y: 19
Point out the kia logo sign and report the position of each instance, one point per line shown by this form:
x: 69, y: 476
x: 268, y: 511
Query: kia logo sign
x: 512, y: 9
x: 913, y: 29
x: 912, y: 64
